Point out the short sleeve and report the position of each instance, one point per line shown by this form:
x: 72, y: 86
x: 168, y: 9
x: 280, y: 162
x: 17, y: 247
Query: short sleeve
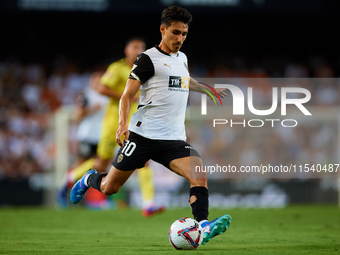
x: 142, y: 69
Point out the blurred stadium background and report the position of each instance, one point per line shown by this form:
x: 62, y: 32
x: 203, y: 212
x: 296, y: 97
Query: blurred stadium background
x: 49, y: 48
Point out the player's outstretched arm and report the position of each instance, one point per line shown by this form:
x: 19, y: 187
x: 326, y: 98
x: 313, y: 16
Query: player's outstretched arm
x: 131, y: 89
x: 107, y: 91
x: 201, y: 88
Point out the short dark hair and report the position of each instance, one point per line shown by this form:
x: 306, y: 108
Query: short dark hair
x: 175, y: 13
x: 134, y: 38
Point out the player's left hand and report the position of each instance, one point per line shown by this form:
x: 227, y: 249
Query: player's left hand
x: 122, y: 130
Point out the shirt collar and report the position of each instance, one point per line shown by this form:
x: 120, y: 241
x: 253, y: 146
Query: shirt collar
x: 162, y: 51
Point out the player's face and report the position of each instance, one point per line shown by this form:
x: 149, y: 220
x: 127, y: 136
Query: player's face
x: 174, y: 35
x: 134, y: 48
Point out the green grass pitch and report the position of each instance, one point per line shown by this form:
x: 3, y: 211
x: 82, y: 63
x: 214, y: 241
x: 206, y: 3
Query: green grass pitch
x: 292, y: 230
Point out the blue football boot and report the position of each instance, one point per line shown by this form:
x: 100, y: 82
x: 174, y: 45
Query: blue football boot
x: 79, y: 189
x: 215, y: 227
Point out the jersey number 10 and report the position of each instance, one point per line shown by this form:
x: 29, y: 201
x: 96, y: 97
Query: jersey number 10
x: 129, y: 148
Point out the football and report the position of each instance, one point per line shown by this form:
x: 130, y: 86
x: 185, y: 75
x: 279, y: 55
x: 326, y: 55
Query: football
x: 185, y: 234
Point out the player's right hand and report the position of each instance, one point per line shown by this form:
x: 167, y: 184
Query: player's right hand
x: 122, y: 130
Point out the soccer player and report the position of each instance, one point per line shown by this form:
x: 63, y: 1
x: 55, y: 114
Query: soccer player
x: 89, y: 112
x: 112, y: 85
x: 156, y: 131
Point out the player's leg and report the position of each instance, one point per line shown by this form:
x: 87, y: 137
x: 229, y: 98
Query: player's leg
x: 145, y: 180
x: 199, y: 196
x: 108, y: 184
x: 106, y: 146
x: 147, y: 187
x: 198, y: 184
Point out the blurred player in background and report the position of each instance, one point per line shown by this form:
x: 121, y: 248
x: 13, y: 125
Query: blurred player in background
x: 112, y: 85
x: 157, y: 131
x: 89, y: 113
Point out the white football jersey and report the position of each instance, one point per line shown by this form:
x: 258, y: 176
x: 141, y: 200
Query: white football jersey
x: 163, y: 95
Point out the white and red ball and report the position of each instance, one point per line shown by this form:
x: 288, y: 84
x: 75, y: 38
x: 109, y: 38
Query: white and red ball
x: 185, y: 234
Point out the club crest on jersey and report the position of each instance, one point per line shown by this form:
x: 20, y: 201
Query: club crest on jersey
x: 178, y: 82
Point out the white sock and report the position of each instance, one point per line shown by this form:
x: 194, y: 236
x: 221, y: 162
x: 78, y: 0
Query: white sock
x: 85, y: 180
x: 202, y: 221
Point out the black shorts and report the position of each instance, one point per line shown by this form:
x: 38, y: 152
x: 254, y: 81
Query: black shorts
x: 138, y: 150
